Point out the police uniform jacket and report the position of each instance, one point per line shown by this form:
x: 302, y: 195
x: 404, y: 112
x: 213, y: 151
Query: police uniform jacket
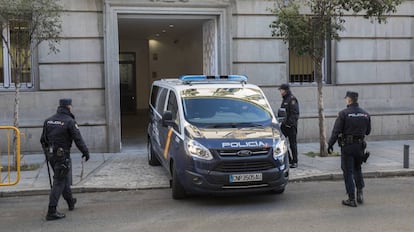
x: 352, y: 121
x: 61, y: 130
x: 291, y: 104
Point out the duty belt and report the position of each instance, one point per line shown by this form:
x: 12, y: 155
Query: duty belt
x: 351, y: 139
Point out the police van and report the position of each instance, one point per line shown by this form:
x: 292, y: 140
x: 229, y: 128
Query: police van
x: 216, y: 134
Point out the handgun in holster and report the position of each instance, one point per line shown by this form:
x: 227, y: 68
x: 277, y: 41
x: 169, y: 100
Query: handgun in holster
x: 60, y: 153
x: 62, y: 166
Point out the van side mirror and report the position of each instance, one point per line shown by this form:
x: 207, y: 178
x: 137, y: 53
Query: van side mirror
x: 281, y: 115
x: 167, y: 119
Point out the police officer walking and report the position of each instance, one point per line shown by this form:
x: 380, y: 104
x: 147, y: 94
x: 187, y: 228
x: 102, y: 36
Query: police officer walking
x: 290, y: 124
x: 351, y: 127
x: 59, y: 131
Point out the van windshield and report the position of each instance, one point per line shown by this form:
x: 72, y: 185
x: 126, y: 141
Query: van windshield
x: 226, y: 107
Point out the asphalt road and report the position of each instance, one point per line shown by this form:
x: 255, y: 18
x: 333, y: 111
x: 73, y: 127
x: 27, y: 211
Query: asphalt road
x: 309, y: 206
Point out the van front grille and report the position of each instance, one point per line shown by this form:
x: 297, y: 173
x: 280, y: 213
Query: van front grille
x: 254, y: 152
x: 244, y: 166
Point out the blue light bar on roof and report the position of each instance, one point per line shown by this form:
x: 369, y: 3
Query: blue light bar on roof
x: 205, y: 78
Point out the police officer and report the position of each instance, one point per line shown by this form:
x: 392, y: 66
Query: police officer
x: 59, y: 131
x: 290, y: 124
x: 351, y: 127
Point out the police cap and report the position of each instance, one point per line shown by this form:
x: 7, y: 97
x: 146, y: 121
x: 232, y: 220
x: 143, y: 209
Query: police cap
x: 284, y: 87
x: 65, y: 102
x: 352, y: 95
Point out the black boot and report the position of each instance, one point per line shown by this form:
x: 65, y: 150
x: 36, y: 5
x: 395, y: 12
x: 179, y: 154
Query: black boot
x: 53, y: 214
x: 350, y: 201
x: 294, y: 165
x: 71, y: 203
x: 360, y: 196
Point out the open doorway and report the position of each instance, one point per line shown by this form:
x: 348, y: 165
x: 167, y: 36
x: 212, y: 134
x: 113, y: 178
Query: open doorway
x: 164, y: 47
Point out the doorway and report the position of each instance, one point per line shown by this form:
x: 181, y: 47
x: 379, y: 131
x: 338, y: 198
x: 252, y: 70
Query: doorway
x: 156, y: 48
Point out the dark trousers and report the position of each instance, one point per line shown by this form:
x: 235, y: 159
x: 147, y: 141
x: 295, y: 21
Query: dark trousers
x: 291, y: 133
x: 351, y: 160
x: 61, y: 186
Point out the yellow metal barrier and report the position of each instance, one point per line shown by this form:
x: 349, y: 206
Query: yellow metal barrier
x: 11, y: 150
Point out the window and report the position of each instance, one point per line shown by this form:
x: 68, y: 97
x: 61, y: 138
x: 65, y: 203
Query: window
x: 154, y: 94
x: 160, y: 102
x: 302, y: 68
x: 17, y: 37
x: 226, y: 107
x: 173, y: 107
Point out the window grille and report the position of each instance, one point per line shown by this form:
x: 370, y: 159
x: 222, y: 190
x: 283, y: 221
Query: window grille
x: 16, y: 35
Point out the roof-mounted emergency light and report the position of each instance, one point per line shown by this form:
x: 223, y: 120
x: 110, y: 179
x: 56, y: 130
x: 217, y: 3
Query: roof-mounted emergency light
x: 190, y: 78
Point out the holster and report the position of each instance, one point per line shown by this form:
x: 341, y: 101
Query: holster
x: 60, y: 162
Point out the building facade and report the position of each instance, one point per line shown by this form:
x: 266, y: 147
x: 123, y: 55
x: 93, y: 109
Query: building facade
x: 112, y: 50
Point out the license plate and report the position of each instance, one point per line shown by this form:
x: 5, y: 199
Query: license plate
x: 245, y: 177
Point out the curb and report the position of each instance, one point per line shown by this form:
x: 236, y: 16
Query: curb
x: 38, y: 192
x: 310, y: 178
x: 339, y: 176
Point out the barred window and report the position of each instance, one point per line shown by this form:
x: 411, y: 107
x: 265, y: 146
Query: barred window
x: 302, y: 67
x: 15, y: 48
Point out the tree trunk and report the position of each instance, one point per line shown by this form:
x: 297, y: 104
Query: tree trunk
x: 16, y: 73
x: 322, y: 133
x: 16, y: 106
x: 16, y: 117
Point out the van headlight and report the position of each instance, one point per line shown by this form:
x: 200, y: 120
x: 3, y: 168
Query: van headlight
x: 195, y: 149
x: 279, y: 151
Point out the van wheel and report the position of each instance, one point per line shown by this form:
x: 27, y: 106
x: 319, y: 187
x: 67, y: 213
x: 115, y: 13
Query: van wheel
x: 278, y: 191
x: 178, y: 191
x: 152, y: 158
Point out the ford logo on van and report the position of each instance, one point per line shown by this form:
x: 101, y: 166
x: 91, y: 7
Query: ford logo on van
x: 244, y: 153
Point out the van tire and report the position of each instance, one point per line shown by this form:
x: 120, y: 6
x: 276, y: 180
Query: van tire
x: 178, y: 191
x: 152, y: 158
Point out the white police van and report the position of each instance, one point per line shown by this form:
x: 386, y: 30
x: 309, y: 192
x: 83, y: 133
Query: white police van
x: 216, y: 134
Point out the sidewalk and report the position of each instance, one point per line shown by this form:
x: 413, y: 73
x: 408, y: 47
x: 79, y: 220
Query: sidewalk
x: 129, y: 170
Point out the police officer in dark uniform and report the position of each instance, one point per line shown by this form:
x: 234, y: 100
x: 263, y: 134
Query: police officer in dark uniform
x: 290, y: 124
x: 351, y: 127
x: 59, y: 131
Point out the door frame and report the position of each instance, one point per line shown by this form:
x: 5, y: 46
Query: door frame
x: 114, y: 8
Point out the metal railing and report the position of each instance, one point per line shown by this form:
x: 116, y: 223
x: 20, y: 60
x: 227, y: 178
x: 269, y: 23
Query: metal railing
x: 10, y: 165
